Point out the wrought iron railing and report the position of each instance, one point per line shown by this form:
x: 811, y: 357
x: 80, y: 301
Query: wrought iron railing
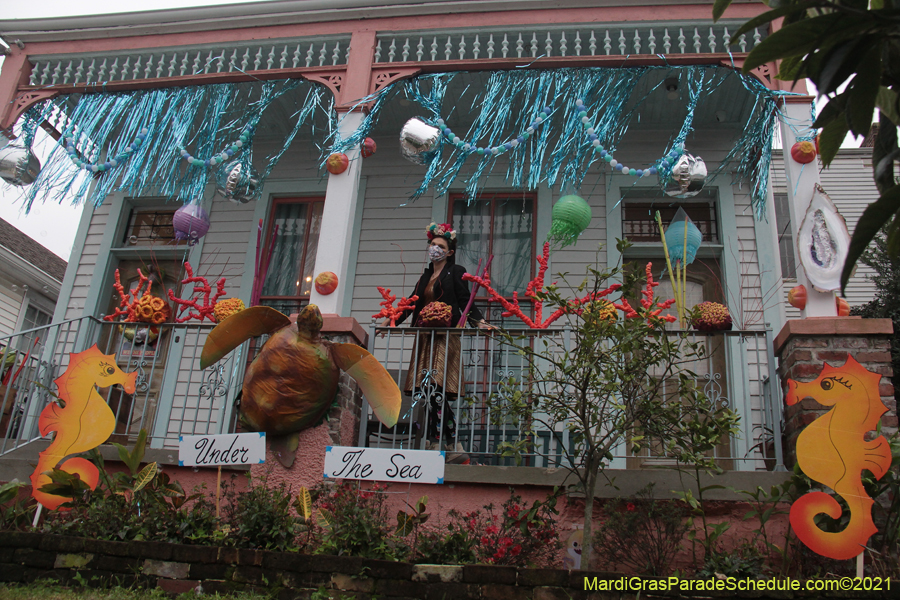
x: 173, y: 396
x: 468, y: 371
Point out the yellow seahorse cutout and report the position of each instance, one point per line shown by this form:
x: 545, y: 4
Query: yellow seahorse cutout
x: 833, y: 451
x: 85, y: 421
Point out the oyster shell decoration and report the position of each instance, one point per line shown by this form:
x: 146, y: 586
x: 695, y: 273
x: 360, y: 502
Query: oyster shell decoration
x: 822, y: 242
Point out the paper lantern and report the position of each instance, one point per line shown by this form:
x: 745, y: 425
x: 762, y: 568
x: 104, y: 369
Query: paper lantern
x: 191, y: 223
x: 676, y: 232
x: 18, y: 164
x: 571, y: 216
x: 797, y: 297
x: 419, y: 141
x: 804, y: 152
x: 326, y: 282
x: 687, y: 177
x: 237, y: 183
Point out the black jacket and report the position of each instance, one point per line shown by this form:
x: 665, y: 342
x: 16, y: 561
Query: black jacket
x: 449, y: 288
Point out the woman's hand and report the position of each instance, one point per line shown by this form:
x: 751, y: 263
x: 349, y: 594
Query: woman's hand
x: 485, y: 326
x: 385, y: 323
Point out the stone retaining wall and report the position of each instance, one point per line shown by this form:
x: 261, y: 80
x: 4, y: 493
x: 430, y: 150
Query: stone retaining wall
x: 178, y: 568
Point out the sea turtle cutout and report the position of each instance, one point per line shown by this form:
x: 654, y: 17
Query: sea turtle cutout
x: 293, y: 381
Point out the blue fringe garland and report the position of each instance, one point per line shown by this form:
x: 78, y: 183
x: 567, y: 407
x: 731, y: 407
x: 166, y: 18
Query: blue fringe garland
x: 202, y: 118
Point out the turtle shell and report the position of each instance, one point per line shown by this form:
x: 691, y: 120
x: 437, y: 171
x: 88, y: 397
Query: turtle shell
x: 291, y: 384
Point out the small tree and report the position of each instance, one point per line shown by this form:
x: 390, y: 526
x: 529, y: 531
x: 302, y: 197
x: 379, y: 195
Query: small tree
x: 621, y: 376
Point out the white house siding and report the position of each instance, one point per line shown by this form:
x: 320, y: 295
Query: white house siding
x: 88, y: 261
x: 848, y: 182
x: 10, y: 305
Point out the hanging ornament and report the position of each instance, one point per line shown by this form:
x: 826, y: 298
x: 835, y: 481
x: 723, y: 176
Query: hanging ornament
x: 797, y: 297
x: 680, y: 228
x: 842, y: 307
x: 367, y: 148
x: 823, y: 242
x: 468, y: 148
x: 117, y: 160
x: 191, y: 223
x: 326, y: 282
x: 804, y: 152
x: 18, y: 164
x: 236, y: 183
x: 419, y: 141
x: 224, y: 155
x: 571, y: 216
x: 687, y: 177
x: 337, y: 163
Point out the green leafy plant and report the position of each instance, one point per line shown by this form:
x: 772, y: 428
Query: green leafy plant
x: 261, y: 517
x: 15, y: 513
x: 641, y: 533
x: 620, y: 378
x: 355, y: 522
x: 848, y: 45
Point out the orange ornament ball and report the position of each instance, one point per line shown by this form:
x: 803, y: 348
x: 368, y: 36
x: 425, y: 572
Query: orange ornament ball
x: 367, y: 148
x: 337, y: 163
x: 326, y: 282
x: 803, y: 152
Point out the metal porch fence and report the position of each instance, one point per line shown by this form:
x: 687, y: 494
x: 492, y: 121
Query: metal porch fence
x: 468, y: 368
x: 173, y: 396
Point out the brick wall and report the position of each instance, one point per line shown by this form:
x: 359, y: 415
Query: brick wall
x: 804, y: 346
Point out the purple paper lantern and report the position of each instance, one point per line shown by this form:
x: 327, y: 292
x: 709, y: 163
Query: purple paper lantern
x: 191, y: 223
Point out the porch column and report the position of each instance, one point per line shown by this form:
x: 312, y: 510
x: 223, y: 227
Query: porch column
x: 339, y: 225
x: 801, y: 182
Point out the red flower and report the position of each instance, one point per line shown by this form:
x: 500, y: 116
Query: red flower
x: 515, y: 550
x: 505, y: 542
x: 485, y: 540
x: 493, y: 530
x: 630, y: 507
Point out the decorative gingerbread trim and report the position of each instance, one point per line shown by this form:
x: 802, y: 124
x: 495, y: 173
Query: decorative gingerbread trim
x: 24, y: 101
x: 332, y: 79
x: 383, y: 77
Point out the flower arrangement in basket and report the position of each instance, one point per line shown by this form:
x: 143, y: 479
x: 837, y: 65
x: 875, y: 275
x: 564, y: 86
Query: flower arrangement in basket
x: 710, y: 316
x: 435, y: 314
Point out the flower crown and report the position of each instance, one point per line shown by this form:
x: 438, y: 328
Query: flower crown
x: 443, y: 230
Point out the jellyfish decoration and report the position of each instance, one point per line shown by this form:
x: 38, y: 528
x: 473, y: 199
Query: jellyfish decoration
x: 571, y: 216
x: 190, y: 223
x: 18, y: 165
x: 823, y: 242
x: 419, y: 141
x: 237, y: 182
x: 687, y: 177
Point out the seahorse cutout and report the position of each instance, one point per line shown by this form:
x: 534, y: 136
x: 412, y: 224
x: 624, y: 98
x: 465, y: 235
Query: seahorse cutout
x: 833, y: 451
x: 84, y: 423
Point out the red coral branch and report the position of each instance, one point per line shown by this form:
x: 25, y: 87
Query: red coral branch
x: 200, y: 311
x: 388, y: 311
x: 647, y: 303
x: 130, y: 299
x: 535, y: 286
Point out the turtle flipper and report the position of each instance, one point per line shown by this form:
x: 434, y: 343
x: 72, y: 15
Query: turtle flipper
x: 378, y: 386
x: 239, y: 327
x: 284, y: 447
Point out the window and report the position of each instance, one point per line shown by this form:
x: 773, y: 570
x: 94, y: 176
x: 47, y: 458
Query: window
x: 501, y: 225
x: 639, y: 219
x: 785, y: 237
x: 293, y: 237
x: 148, y: 227
x: 34, y: 317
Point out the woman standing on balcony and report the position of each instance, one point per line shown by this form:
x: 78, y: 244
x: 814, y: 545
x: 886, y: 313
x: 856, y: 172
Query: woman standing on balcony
x: 434, y: 370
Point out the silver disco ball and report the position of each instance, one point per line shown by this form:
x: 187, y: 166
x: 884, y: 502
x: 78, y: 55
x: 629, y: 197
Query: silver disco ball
x: 18, y: 164
x: 237, y: 183
x: 419, y: 141
x: 687, y: 177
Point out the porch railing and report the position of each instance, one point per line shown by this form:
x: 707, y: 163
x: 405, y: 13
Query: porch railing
x: 173, y: 397
x: 467, y: 368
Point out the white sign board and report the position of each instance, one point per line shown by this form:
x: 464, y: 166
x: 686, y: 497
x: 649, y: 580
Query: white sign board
x: 219, y: 450
x: 384, y: 464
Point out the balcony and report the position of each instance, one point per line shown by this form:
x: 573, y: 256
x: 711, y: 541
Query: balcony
x: 734, y: 373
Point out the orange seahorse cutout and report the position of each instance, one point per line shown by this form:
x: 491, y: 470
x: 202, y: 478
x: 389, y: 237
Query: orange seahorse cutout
x: 833, y: 451
x: 85, y: 422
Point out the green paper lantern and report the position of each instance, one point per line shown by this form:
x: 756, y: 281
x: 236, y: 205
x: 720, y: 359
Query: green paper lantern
x: 571, y: 216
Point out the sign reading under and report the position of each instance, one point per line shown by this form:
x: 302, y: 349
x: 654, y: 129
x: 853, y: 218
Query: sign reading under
x: 384, y: 464
x: 219, y: 450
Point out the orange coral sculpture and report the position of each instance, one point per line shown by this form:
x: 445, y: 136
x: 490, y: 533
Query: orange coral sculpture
x: 652, y: 312
x: 139, y: 305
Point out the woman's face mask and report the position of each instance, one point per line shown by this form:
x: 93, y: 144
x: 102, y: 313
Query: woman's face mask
x: 436, y: 253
